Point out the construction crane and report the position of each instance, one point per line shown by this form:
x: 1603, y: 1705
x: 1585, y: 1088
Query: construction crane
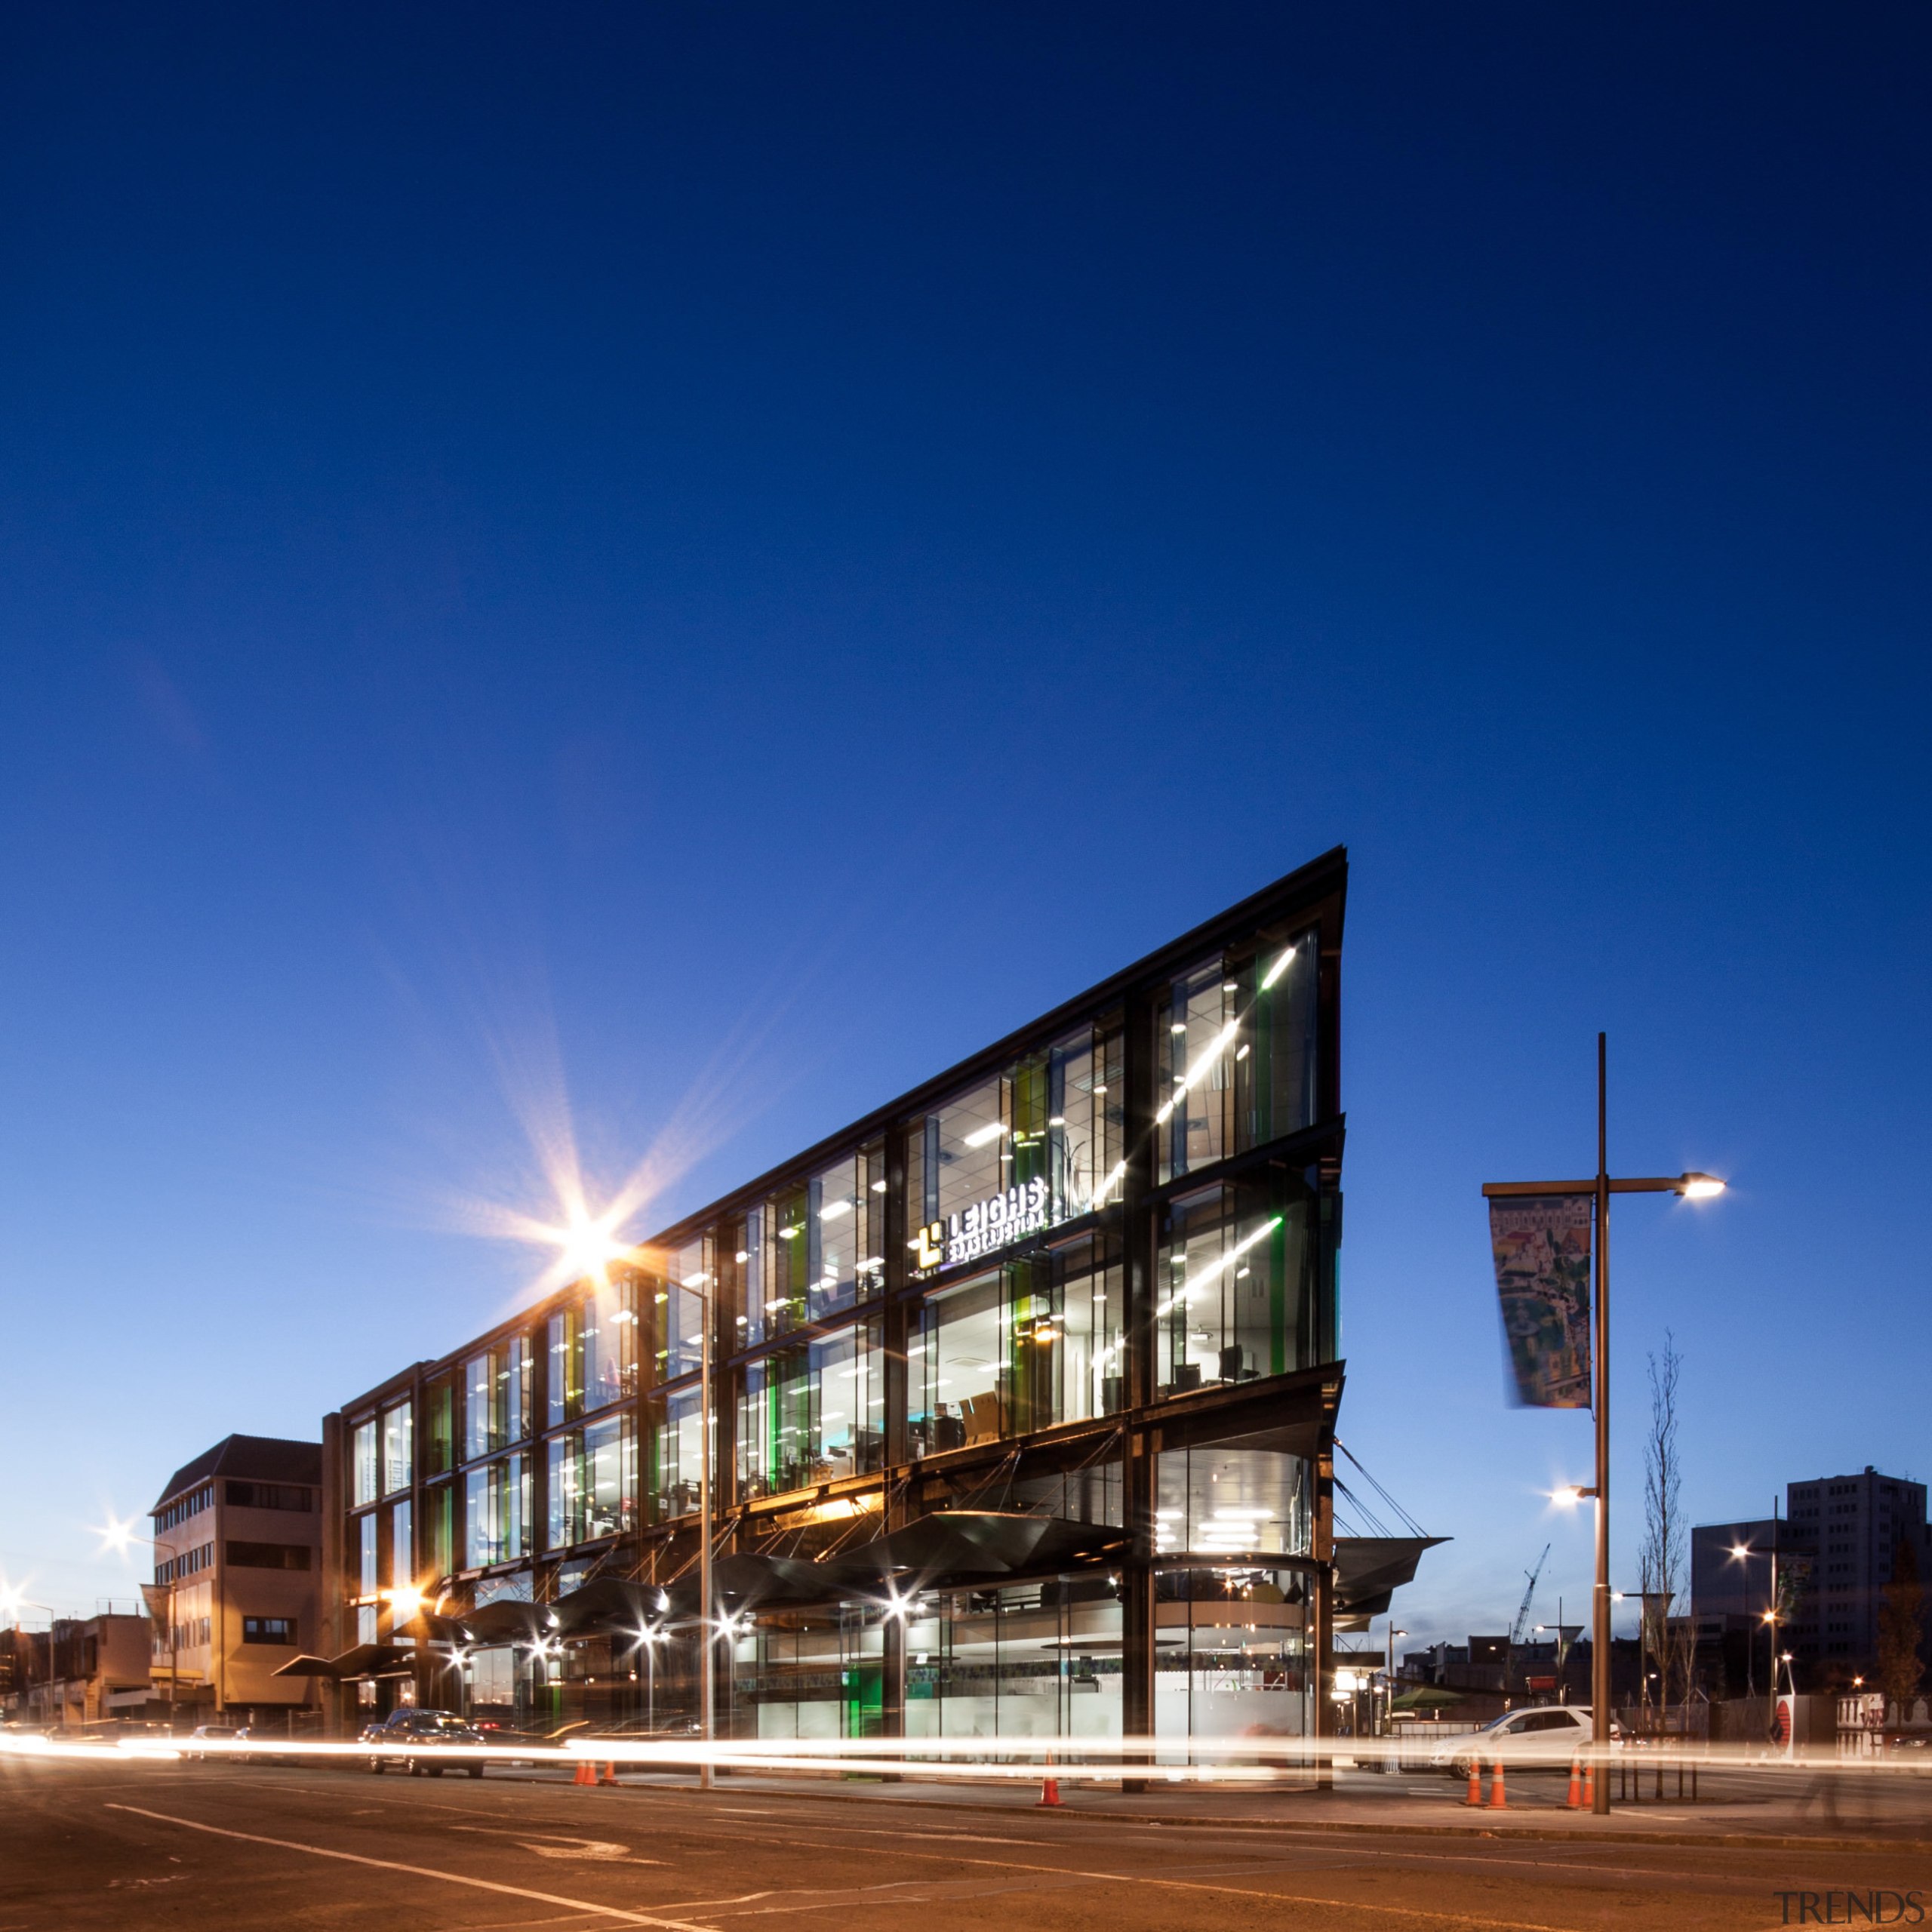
x: 1516, y: 1628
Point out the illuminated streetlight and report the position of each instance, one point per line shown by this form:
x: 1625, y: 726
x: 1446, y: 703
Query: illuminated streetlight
x: 1691, y: 1186
x: 119, y: 1537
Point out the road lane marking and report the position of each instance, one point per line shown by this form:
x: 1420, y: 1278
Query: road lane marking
x: 550, y: 1846
x: 419, y: 1871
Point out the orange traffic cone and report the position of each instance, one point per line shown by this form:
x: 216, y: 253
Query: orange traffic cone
x: 1497, y: 1802
x: 1575, y: 1800
x: 609, y: 1775
x: 586, y: 1772
x: 1590, y: 1785
x: 1475, y: 1783
x: 1049, y: 1786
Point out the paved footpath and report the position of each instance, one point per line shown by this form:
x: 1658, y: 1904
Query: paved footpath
x: 226, y: 1848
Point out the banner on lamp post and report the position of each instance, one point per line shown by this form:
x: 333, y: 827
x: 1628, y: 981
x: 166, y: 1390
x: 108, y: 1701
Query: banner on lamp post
x: 1541, y: 1246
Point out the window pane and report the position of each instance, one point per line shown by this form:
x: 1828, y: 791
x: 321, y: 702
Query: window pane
x: 812, y: 1413
x: 1235, y: 1050
x: 565, y: 1470
x: 678, y: 1307
x: 399, y: 1448
x: 481, y: 1428
x: 565, y: 1343
x: 1037, y: 1147
x: 402, y: 1546
x: 1212, y: 1501
x: 610, y: 1477
x: 442, y: 1443
x: 364, y: 1461
x: 953, y: 1370
x: 516, y: 1376
x: 741, y: 1269
x: 1234, y: 1286
x: 674, y: 1471
x: 369, y: 1579
x: 497, y: 1512
x: 609, y: 1341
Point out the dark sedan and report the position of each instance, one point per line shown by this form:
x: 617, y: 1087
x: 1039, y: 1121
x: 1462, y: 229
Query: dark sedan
x: 413, y: 1738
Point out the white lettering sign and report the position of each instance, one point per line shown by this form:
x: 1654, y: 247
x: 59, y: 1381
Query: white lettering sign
x: 985, y: 1227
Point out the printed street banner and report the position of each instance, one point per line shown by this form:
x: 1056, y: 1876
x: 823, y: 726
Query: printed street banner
x: 1543, y: 1276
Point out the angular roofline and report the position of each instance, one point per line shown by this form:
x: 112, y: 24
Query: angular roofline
x: 1305, y: 881
x: 1328, y: 872
x: 269, y: 1458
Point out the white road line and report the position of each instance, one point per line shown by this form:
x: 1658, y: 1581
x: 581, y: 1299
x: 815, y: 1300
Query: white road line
x: 419, y: 1871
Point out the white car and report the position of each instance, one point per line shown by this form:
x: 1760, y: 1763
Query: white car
x: 1546, y: 1737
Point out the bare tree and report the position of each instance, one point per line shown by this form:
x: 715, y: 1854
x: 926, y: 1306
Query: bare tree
x: 1661, y: 1563
x: 1901, y: 1629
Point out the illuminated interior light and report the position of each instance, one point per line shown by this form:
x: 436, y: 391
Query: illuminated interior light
x: 1179, y: 1027
x: 878, y: 1187
x: 1229, y: 986
x: 1165, y: 1113
x: 696, y: 1281
x: 1057, y: 1120
x: 1240, y: 1052
x: 744, y: 1254
x: 981, y: 1136
x: 832, y: 1210
x: 1280, y: 966
x: 1099, y: 1090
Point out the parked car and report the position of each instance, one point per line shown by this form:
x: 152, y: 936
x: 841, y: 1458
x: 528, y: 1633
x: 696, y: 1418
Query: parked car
x: 209, y: 1733
x: 1546, y: 1737
x: 413, y: 1738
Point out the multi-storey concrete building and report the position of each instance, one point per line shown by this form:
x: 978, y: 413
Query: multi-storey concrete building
x: 238, y: 1567
x: 1834, y: 1549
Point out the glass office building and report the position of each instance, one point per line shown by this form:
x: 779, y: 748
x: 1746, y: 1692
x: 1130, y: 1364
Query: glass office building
x: 1022, y: 1396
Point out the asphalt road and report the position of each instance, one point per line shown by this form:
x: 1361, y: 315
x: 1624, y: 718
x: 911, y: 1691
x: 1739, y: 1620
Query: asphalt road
x: 227, y: 1849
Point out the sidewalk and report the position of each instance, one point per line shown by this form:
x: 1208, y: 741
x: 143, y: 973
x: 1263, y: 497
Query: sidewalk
x: 1769, y: 1809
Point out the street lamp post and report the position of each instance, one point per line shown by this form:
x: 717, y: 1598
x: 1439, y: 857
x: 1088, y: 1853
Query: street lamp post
x: 1691, y: 1186
x: 1388, y: 1677
x: 706, y: 1636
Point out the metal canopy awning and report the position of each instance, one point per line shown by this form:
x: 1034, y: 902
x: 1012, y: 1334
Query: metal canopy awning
x: 950, y: 1549
x: 1370, y: 1570
x: 953, y: 1547
x: 509, y: 1620
x: 364, y: 1660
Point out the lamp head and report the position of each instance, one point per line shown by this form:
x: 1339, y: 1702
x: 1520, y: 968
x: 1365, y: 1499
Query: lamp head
x: 1699, y: 1187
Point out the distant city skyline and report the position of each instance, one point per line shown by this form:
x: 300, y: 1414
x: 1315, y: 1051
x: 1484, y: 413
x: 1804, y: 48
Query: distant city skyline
x: 605, y: 601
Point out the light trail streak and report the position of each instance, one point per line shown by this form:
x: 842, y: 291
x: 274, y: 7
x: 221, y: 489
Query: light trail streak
x: 1257, y: 1761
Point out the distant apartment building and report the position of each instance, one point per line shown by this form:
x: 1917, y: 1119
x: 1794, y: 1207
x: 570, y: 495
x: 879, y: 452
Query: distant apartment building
x: 1833, y: 1549
x: 238, y: 1568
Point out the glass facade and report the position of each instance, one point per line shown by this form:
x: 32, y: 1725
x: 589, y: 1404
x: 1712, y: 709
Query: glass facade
x: 590, y: 1483
x: 1030, y: 1148
x: 1016, y: 1292
x: 497, y: 1512
x: 1236, y: 1064
x: 673, y: 1470
x: 497, y: 1386
x: 812, y: 1412
x: 1236, y: 1286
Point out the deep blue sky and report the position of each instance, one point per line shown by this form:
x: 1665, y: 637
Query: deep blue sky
x: 714, y: 558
